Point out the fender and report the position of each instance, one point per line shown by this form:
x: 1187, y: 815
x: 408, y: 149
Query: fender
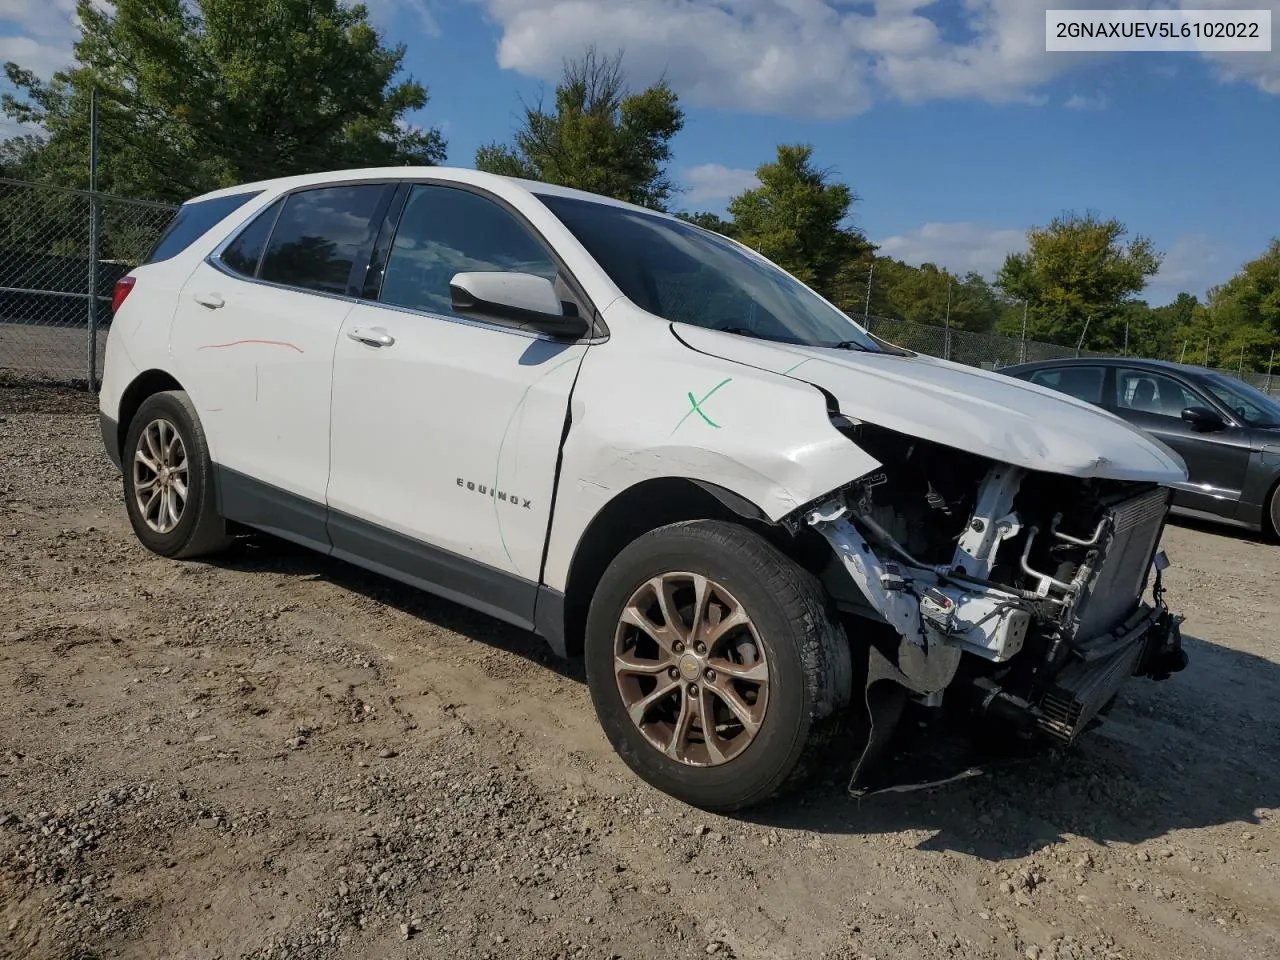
x: 643, y: 411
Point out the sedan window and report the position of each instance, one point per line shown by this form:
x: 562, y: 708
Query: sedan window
x: 1146, y: 392
x: 1251, y: 405
x: 1083, y: 383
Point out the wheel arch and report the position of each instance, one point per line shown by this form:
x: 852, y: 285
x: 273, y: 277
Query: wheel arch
x: 145, y: 384
x: 654, y: 503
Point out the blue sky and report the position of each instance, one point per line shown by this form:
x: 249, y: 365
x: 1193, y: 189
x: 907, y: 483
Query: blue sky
x: 947, y: 117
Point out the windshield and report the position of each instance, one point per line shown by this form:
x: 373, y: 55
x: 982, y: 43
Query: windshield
x: 1250, y: 404
x: 689, y: 275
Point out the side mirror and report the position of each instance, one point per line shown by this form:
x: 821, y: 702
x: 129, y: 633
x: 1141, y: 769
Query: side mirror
x: 519, y: 299
x: 1202, y: 418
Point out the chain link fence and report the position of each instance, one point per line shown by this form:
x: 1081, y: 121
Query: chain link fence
x: 55, y: 294
x: 992, y: 351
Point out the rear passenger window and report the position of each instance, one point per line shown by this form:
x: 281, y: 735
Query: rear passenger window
x: 193, y: 220
x: 319, y: 237
x: 444, y: 231
x: 244, y: 252
x: 1083, y: 383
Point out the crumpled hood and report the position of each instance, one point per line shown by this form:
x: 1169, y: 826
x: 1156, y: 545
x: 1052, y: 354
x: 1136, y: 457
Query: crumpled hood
x: 986, y: 413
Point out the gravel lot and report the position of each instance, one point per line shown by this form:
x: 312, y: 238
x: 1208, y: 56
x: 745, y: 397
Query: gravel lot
x: 276, y: 755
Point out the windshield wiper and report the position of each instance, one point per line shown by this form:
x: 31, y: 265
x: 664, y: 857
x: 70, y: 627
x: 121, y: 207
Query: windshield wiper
x: 849, y: 345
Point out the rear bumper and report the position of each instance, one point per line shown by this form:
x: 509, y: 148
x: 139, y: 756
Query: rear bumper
x: 110, y: 438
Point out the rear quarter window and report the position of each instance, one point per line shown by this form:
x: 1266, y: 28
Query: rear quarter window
x: 192, y: 221
x: 1083, y: 383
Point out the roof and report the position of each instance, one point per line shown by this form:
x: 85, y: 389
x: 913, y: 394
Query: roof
x: 456, y: 174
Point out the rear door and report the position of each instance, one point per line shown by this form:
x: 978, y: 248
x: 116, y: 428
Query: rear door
x: 254, y: 334
x: 1216, y: 459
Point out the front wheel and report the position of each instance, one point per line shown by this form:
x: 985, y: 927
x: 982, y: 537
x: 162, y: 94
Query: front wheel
x: 716, y: 665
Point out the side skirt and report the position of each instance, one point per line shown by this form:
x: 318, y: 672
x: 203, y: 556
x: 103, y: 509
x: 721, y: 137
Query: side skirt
x: 474, y: 585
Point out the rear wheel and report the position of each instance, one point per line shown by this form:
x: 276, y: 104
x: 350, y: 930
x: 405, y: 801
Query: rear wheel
x: 168, y: 479
x: 1275, y: 512
x: 716, y: 666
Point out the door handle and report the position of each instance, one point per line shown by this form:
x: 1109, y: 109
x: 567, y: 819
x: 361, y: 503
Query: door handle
x: 211, y: 300
x: 371, y: 336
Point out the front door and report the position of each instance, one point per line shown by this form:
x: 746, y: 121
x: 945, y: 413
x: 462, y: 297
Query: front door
x: 446, y: 431
x: 1216, y: 459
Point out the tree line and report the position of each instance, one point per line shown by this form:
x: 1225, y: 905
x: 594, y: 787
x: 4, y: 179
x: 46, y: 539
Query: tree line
x: 192, y: 96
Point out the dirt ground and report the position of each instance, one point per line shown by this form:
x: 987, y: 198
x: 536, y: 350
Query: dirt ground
x: 276, y: 755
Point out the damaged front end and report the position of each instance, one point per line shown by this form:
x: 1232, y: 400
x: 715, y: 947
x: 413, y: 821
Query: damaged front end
x: 1021, y: 595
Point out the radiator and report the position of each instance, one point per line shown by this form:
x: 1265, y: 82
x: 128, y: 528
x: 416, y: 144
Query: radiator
x: 1121, y: 578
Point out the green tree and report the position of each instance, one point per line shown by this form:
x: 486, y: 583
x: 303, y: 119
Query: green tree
x: 798, y: 218
x: 709, y: 221
x: 1078, y: 270
x: 1243, y: 314
x: 601, y: 136
x: 922, y: 294
x: 198, y: 94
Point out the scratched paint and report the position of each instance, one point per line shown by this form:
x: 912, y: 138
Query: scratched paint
x: 497, y: 466
x: 240, y: 343
x: 796, y: 366
x: 695, y: 406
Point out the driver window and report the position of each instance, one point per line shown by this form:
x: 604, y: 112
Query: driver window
x: 444, y: 231
x: 1145, y: 392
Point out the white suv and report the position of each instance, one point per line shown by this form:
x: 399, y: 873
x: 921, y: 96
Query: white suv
x: 645, y: 442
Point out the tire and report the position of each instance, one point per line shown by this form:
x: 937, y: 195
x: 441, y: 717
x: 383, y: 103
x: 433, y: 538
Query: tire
x: 793, y: 630
x: 1273, y: 513
x: 198, y: 530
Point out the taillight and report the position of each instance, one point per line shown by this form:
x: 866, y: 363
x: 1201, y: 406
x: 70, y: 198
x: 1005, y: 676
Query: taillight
x: 124, y: 286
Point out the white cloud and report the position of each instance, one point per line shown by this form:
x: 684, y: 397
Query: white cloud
x: 38, y: 35
x: 1260, y: 69
x: 819, y: 58
x: 1193, y: 264
x: 382, y: 13
x: 825, y: 58
x: 1080, y: 101
x: 715, y: 181
x: 960, y: 247
x: 41, y: 57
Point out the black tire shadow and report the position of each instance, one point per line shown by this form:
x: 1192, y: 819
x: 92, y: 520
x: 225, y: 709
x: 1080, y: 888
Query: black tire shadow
x: 261, y: 553
x: 1223, y: 530
x: 1189, y: 752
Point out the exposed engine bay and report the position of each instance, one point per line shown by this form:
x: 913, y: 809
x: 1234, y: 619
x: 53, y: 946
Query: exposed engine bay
x: 1020, y: 594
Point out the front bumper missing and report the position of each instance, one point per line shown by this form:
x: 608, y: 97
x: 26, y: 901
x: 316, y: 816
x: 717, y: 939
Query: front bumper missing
x: 1148, y: 644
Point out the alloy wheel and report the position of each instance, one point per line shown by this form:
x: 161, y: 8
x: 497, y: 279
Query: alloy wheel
x: 160, y: 476
x: 691, y: 669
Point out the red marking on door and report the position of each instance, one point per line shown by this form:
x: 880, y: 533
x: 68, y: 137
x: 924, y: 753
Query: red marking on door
x: 236, y: 343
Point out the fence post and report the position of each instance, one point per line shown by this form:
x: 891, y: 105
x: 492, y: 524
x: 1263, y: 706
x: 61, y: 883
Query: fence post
x: 93, y: 241
x: 1022, y: 346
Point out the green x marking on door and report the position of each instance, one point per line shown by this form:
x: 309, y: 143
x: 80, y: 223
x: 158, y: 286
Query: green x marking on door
x: 695, y: 406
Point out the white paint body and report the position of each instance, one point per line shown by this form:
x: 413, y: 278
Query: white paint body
x: 394, y: 434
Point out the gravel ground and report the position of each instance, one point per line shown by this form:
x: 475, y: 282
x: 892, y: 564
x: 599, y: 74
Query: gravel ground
x: 276, y: 755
